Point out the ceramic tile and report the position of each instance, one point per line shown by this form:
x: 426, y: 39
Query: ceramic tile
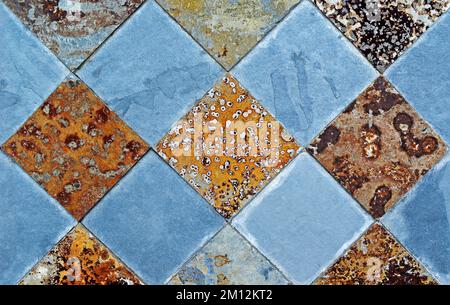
x: 383, y: 29
x: 228, y: 259
x: 75, y: 147
x: 72, y: 29
x: 378, y: 148
x: 228, y: 147
x: 228, y: 29
x: 304, y: 72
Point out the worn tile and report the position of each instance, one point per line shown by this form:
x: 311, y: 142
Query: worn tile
x: 304, y: 72
x: 75, y: 147
x: 72, y: 29
x: 157, y: 83
x: 228, y: 147
x: 153, y: 220
x: 80, y: 259
x: 228, y: 259
x: 383, y: 29
x: 26, y: 77
x: 303, y: 220
x: 31, y: 222
x: 228, y: 29
x: 376, y: 259
x: 378, y: 148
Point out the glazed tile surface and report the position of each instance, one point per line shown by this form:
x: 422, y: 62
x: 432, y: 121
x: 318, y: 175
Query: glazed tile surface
x: 243, y: 147
x: 228, y: 29
x: 378, y: 148
x: 75, y: 147
x: 383, y: 29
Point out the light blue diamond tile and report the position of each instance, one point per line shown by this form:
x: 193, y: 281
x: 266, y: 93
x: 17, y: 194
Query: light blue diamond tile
x: 153, y: 220
x: 150, y: 72
x: 28, y: 73
x: 422, y: 75
x: 421, y: 222
x: 303, y: 220
x: 305, y: 72
x: 31, y: 222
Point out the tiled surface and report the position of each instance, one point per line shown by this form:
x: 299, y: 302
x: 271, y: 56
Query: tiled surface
x: 307, y: 163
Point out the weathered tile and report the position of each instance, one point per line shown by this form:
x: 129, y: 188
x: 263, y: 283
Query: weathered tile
x: 31, y: 222
x: 376, y: 259
x: 72, y: 29
x: 378, y: 148
x: 228, y: 259
x: 80, y: 259
x: 153, y: 220
x: 27, y: 76
x: 383, y: 29
x: 75, y: 147
x: 228, y: 147
x: 150, y: 72
x: 304, y: 72
x: 228, y: 29
x: 303, y: 220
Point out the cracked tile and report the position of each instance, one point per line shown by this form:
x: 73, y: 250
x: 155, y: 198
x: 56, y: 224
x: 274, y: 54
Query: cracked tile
x: 378, y: 148
x: 75, y: 147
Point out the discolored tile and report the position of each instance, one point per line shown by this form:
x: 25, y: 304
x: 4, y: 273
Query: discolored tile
x: 228, y: 29
x: 378, y: 148
x: 73, y: 29
x: 75, y: 147
x: 383, y: 29
x: 228, y: 147
x: 228, y: 259
x: 80, y: 259
x: 376, y: 259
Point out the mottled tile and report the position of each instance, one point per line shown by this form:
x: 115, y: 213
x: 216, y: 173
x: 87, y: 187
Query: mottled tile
x: 228, y: 259
x: 72, y: 29
x: 228, y: 147
x: 27, y: 76
x: 304, y: 72
x: 228, y: 29
x: 150, y: 72
x: 79, y: 259
x: 303, y: 220
x: 383, y: 29
x: 75, y: 147
x: 378, y: 148
x: 376, y: 259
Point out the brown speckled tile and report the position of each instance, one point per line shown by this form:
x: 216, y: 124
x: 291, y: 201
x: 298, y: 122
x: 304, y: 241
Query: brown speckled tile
x: 80, y: 259
x: 75, y: 147
x: 228, y: 147
x: 376, y: 259
x: 383, y: 29
x: 378, y: 148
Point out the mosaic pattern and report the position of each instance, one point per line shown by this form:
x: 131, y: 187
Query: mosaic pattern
x: 383, y: 29
x: 376, y: 259
x: 73, y: 29
x: 378, y: 148
x: 75, y: 147
x: 228, y: 29
x: 228, y: 147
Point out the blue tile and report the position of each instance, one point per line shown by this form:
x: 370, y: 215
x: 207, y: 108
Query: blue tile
x: 150, y: 72
x: 303, y: 220
x: 28, y: 73
x: 421, y: 222
x: 422, y: 76
x: 153, y: 220
x: 305, y: 72
x: 31, y: 222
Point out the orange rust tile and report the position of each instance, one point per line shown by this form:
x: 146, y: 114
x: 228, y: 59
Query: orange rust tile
x: 228, y: 147
x: 75, y: 147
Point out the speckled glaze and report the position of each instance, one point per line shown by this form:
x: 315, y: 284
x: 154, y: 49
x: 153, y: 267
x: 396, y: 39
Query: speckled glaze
x: 378, y: 148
